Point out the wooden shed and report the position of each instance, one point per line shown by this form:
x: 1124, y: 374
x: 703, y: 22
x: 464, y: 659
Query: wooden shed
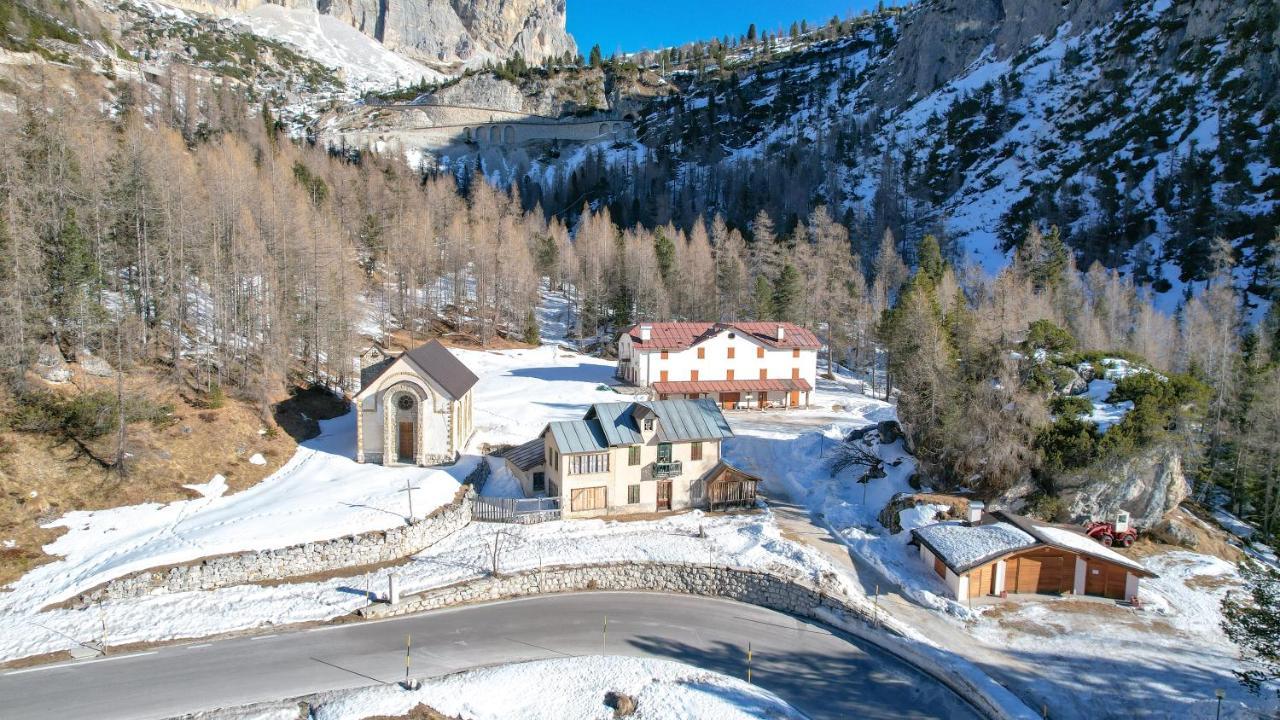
x: 1011, y: 554
x: 727, y: 486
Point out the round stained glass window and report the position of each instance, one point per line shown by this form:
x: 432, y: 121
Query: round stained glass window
x: 405, y: 402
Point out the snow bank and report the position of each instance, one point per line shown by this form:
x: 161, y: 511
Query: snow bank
x: 663, y: 690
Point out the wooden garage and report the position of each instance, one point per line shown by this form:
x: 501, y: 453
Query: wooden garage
x: 727, y: 487
x: 1005, y: 553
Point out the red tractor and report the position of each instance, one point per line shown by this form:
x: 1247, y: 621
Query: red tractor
x: 1117, y: 532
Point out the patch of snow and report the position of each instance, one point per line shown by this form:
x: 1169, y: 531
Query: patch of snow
x: 215, y: 488
x: 663, y: 690
x: 257, y: 459
x: 1084, y: 544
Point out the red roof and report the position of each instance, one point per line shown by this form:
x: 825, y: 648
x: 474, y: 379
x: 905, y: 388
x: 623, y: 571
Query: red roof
x: 684, y: 335
x: 718, y: 386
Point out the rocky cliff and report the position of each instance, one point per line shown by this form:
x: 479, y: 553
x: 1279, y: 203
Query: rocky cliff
x: 1149, y: 485
x: 444, y: 33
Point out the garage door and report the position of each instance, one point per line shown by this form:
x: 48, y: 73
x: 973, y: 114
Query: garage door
x: 1035, y: 574
x: 1104, y: 580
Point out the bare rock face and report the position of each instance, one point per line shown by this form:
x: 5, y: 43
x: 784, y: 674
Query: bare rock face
x: 439, y: 32
x: 948, y: 36
x: 1149, y: 486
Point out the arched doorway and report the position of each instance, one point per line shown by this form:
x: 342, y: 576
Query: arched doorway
x: 404, y: 417
x: 508, y: 135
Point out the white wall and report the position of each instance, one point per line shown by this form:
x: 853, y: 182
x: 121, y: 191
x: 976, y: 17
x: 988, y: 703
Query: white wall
x: 746, y: 365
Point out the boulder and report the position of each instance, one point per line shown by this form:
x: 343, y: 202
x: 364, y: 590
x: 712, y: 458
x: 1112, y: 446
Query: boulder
x: 94, y: 365
x: 1069, y: 382
x: 1172, y: 533
x: 1149, y: 485
x: 51, y: 365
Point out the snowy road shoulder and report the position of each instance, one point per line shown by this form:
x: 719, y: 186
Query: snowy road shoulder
x: 661, y: 689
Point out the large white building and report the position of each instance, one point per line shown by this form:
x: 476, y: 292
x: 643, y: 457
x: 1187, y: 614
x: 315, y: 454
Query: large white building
x: 738, y: 365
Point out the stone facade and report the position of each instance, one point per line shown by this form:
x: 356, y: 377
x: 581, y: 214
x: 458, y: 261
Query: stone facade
x: 270, y: 565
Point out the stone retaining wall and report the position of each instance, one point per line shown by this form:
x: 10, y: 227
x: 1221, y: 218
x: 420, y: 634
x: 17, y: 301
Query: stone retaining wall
x: 823, y: 600
x: 777, y: 592
x: 370, y: 548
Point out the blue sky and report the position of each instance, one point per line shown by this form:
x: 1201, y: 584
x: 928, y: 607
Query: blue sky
x: 628, y: 25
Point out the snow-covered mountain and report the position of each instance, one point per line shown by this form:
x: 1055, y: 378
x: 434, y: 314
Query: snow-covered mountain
x: 444, y: 34
x: 1144, y: 130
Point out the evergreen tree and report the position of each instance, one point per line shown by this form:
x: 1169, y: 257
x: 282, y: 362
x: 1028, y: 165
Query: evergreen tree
x: 786, y: 294
x: 597, y: 59
x: 762, y: 299
x: 531, y: 333
x: 1252, y: 621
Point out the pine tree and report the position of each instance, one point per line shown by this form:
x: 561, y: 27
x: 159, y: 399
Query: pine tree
x: 786, y: 294
x: 762, y: 299
x: 597, y: 59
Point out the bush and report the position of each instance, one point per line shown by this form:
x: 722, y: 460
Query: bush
x: 1070, y: 405
x: 215, y: 397
x: 1068, y: 444
x: 1047, y: 507
x: 84, y: 417
x: 1044, y: 335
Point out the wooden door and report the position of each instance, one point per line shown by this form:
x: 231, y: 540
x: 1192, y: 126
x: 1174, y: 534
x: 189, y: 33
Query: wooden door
x: 405, y: 446
x: 763, y: 397
x: 982, y: 581
x: 729, y: 401
x: 794, y: 399
x: 664, y: 494
x: 1104, y: 580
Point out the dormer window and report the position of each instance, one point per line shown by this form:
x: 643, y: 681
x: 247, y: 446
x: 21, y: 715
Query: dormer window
x: 648, y: 424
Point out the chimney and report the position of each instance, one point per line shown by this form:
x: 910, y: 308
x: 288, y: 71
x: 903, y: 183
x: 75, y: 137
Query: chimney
x: 976, y: 508
x: 646, y: 332
x: 782, y: 333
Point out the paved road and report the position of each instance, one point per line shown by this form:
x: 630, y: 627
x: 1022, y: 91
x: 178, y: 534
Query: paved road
x: 821, y: 674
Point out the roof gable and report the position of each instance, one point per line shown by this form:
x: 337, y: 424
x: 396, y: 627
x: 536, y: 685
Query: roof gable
x: 431, y: 361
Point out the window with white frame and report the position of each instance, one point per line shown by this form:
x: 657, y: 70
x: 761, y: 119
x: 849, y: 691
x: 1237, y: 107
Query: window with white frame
x: 589, y: 464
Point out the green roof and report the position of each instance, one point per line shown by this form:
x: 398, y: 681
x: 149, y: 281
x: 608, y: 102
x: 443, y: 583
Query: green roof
x: 613, y: 424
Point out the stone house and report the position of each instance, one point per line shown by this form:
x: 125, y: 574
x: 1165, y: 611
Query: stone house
x: 633, y: 457
x: 414, y: 409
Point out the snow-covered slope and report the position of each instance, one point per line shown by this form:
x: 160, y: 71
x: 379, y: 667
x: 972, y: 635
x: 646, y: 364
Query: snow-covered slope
x: 1143, y: 130
x: 364, y: 63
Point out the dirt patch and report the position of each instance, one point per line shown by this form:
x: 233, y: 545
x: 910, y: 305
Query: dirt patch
x: 43, y: 477
x: 1210, y: 539
x: 1013, y: 616
x: 451, y: 337
x: 419, y: 712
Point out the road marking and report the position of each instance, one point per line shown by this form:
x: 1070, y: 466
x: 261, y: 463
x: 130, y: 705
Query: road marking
x: 262, y: 637
x: 79, y: 663
x: 326, y: 627
x: 193, y: 647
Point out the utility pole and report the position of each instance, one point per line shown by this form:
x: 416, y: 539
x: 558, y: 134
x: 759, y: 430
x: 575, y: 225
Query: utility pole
x: 748, y: 662
x: 604, y: 633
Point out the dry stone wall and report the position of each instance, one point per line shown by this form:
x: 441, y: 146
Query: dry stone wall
x: 370, y: 548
